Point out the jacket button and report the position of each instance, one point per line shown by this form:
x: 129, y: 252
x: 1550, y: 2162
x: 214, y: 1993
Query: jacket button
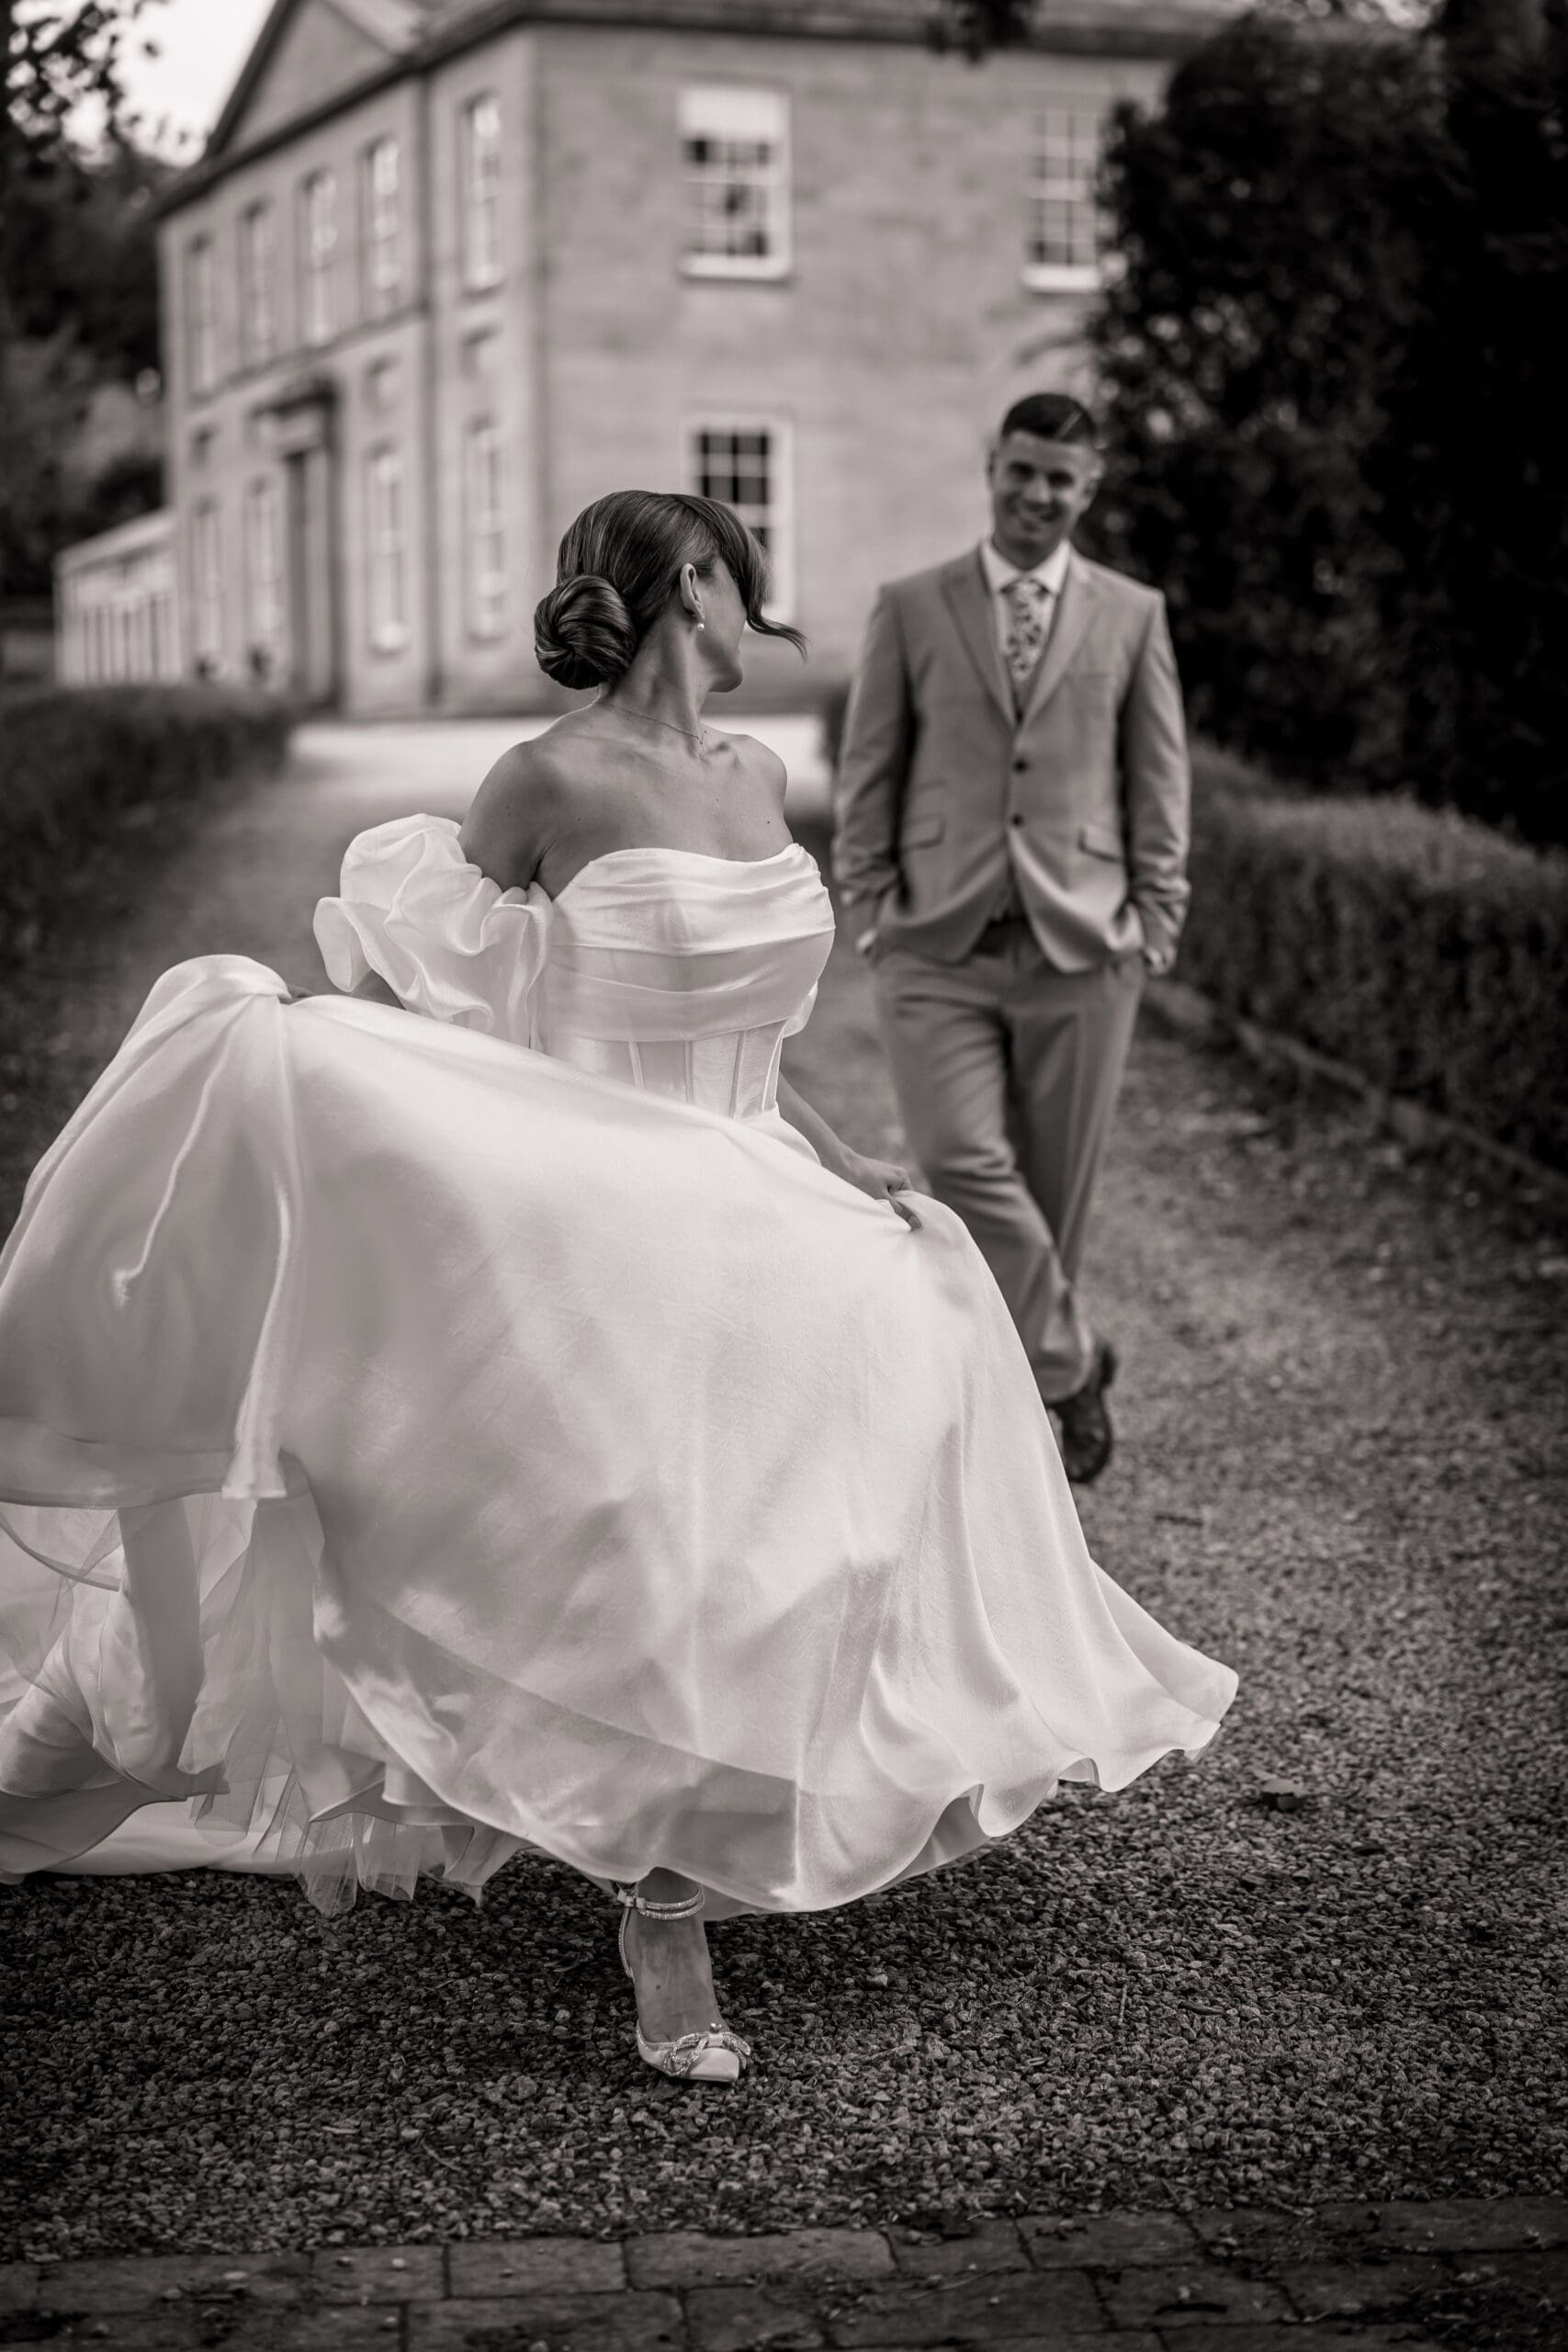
x: 1019, y: 767
x: 1015, y: 818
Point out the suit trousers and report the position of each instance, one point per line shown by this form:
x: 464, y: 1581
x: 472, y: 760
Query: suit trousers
x: 1007, y: 1073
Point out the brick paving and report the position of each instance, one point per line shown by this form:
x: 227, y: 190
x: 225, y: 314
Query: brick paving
x: 1343, y: 2278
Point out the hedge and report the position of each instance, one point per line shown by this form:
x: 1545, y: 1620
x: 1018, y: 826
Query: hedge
x: 1427, y: 950
x: 85, y: 770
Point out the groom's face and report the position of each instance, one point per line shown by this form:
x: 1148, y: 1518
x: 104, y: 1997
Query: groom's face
x: 1040, y: 492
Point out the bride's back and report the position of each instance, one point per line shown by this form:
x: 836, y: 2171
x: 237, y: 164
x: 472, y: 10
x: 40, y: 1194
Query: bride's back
x: 600, y: 781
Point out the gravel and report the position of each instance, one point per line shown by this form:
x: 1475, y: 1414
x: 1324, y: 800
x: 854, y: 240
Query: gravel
x: 1322, y: 1964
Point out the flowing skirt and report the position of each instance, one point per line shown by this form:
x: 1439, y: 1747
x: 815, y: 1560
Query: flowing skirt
x: 413, y: 1448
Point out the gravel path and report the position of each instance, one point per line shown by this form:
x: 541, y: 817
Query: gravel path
x: 1325, y: 1963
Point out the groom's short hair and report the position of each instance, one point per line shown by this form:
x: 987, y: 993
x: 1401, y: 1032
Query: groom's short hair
x: 1053, y: 416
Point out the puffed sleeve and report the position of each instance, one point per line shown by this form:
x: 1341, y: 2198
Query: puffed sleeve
x: 447, y: 941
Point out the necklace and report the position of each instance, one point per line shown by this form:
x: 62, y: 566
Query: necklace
x: 668, y: 724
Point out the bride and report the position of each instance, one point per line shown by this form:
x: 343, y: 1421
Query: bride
x: 487, y: 1408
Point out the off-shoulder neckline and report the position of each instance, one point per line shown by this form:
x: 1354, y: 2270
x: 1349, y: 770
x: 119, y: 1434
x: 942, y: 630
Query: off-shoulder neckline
x: 660, y: 849
x: 647, y: 849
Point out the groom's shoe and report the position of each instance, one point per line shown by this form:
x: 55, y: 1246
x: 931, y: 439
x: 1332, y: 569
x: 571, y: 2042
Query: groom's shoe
x: 1085, y: 1420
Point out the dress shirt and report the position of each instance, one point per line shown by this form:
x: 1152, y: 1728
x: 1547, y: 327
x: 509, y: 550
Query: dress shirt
x: 999, y: 577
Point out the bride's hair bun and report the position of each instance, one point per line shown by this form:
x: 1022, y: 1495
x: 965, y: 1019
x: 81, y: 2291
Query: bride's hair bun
x: 583, y: 634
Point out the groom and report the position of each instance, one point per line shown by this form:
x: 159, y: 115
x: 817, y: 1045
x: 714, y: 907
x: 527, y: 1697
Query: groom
x: 1011, y: 807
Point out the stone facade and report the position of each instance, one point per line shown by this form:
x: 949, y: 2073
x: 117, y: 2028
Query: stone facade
x: 447, y: 275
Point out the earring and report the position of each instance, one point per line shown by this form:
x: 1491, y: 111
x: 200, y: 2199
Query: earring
x: 701, y: 623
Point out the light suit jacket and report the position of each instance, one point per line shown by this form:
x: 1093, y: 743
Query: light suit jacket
x: 942, y: 781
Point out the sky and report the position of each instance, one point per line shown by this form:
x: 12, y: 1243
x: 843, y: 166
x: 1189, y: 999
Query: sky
x: 180, y: 92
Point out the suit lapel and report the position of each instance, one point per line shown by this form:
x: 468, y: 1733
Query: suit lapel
x: 1073, y: 616
x: 964, y: 585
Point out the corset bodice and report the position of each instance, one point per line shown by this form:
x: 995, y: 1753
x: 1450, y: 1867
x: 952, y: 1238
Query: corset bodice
x: 673, y: 971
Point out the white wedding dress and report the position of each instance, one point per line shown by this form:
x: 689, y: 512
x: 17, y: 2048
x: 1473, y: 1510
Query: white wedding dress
x: 426, y: 1433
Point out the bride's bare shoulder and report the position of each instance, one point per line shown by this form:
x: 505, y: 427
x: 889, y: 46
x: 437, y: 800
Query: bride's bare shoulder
x: 516, y: 811
x: 760, y: 764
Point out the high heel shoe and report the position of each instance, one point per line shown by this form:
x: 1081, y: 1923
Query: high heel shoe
x: 715, y: 2055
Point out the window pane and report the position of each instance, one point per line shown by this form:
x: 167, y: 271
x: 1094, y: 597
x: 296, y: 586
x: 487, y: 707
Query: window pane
x: 485, y: 529
x: 744, y: 465
x: 319, y: 234
x: 1062, y: 226
x: 482, y: 191
x: 258, y: 297
x: 383, y: 225
x: 386, y: 547
x: 202, y: 293
x: 208, y: 581
x: 735, y: 163
x: 735, y: 466
x: 264, y: 564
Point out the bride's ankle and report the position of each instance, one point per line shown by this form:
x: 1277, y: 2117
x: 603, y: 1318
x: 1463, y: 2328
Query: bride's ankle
x: 668, y: 1888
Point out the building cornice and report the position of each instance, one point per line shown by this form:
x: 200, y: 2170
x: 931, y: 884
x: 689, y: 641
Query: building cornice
x: 140, y: 532
x: 1067, y: 28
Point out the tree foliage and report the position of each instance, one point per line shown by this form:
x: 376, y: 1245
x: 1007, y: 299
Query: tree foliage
x: 978, y: 27
x: 78, y: 249
x: 1246, y: 348
x: 60, y: 54
x: 78, y: 282
x: 1336, y: 383
x: 1474, y: 479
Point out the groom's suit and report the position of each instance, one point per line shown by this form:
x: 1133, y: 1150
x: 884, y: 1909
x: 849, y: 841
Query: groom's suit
x: 1025, y: 847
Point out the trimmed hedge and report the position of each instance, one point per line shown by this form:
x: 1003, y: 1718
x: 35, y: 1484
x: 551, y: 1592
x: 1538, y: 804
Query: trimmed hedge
x: 84, y: 768
x: 1424, y: 950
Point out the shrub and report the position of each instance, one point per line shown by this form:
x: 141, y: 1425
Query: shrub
x: 1417, y: 945
x: 83, y: 769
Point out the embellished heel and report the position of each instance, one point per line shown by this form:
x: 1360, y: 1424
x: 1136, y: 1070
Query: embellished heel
x: 713, y: 2055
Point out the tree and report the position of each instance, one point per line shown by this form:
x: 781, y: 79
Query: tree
x: 78, y: 275
x: 978, y: 27
x: 1477, y: 498
x: 78, y: 249
x: 1267, y: 283
x: 1336, y: 380
x: 59, y: 55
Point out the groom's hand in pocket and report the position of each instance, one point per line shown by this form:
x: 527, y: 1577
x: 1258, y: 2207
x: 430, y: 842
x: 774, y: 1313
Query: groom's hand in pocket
x: 865, y: 940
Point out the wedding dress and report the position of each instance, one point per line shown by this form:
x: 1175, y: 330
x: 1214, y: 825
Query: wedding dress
x: 426, y: 1433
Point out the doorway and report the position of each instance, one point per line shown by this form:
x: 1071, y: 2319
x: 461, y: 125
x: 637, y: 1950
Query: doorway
x: 312, y: 583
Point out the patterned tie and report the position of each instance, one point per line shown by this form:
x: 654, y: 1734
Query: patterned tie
x: 1025, y: 641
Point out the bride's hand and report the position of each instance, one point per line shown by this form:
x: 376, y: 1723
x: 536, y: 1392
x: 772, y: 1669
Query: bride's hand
x: 884, y: 1181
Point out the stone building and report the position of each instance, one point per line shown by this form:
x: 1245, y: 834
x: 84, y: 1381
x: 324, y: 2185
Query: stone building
x: 451, y: 269
x: 116, y: 606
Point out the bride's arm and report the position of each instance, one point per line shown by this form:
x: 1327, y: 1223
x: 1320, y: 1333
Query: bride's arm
x: 514, y: 815
x: 881, y: 1178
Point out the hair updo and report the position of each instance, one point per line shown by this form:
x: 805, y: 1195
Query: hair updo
x: 583, y: 635
x: 616, y: 571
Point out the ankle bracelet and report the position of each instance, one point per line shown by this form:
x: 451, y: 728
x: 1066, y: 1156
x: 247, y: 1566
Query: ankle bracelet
x: 684, y: 1909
